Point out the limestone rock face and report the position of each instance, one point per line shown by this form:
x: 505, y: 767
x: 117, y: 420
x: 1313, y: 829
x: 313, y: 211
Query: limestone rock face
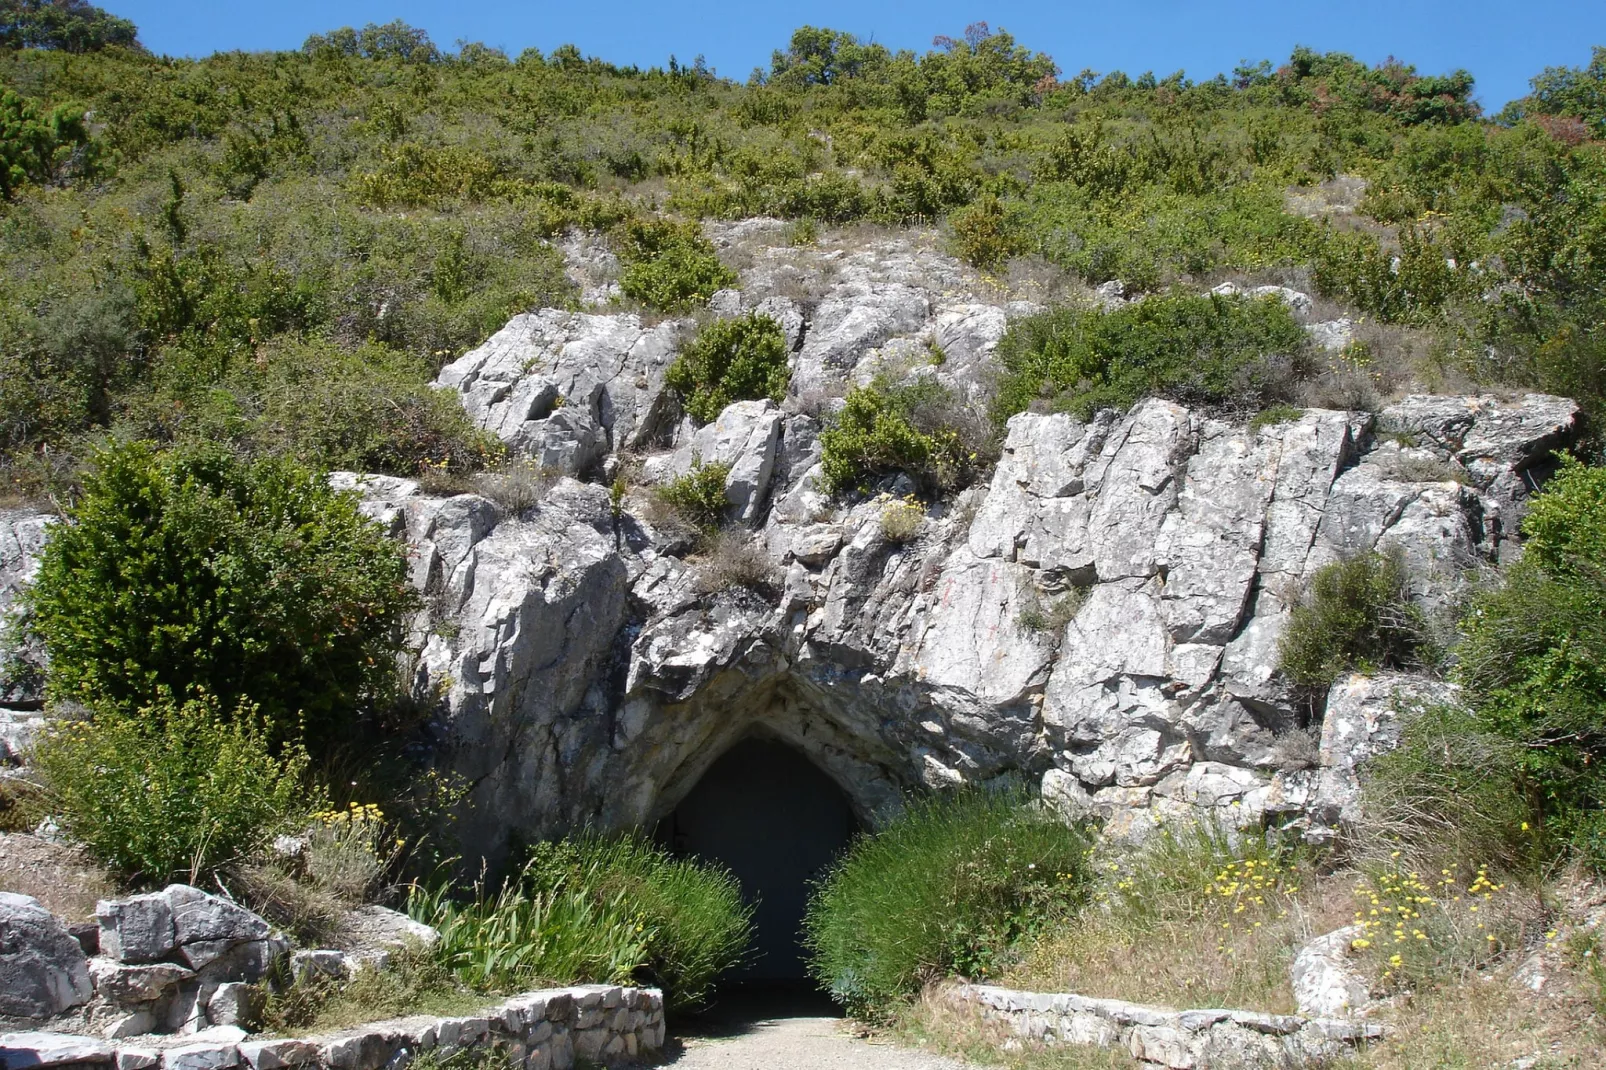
x: 567, y: 388
x: 42, y: 968
x: 1101, y: 618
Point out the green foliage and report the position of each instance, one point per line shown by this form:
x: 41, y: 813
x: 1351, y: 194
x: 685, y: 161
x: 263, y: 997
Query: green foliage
x: 64, y: 25
x: 193, y: 571
x: 1356, y: 615
x: 1532, y: 664
x: 606, y: 909
x: 950, y: 886
x: 919, y: 429
x: 1573, y: 92
x: 730, y: 360
x: 1272, y: 415
x: 691, y: 913
x: 368, y: 409
x: 34, y: 144
x: 174, y: 790
x: 1212, y: 350
x: 699, y: 495
x: 670, y: 266
x: 984, y: 235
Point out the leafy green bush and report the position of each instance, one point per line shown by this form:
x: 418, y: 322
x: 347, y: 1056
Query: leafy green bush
x: 193, y: 570
x: 593, y: 908
x: 731, y: 360
x: 951, y: 886
x: 699, y: 495
x: 919, y: 429
x: 33, y: 145
x: 1356, y: 615
x: 670, y: 265
x: 173, y: 790
x: 695, y: 924
x: 1533, y: 663
x: 1210, y: 350
x: 984, y: 234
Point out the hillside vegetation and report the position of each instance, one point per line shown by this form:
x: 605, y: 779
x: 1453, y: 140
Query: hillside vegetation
x: 217, y: 248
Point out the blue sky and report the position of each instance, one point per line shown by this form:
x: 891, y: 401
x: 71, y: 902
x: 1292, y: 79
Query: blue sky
x: 1503, y: 44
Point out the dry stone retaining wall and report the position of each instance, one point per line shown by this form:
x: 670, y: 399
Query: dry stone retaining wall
x: 546, y: 1030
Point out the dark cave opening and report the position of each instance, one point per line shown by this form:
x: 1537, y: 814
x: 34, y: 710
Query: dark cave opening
x: 776, y: 822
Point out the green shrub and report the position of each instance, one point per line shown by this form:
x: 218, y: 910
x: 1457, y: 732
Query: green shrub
x: 194, y: 570
x: 699, y: 495
x: 919, y: 429
x: 1533, y: 663
x: 33, y: 146
x: 670, y: 266
x: 174, y: 790
x: 984, y: 234
x: 695, y: 924
x: 731, y: 360
x: 593, y: 908
x: 1356, y: 615
x: 1209, y: 350
x: 951, y: 886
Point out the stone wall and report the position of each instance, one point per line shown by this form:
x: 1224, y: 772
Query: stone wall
x: 546, y: 1030
x: 1160, y: 1036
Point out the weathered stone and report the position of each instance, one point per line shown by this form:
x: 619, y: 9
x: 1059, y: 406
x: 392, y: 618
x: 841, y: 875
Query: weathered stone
x: 124, y: 984
x: 235, y: 1003
x: 277, y: 1054
x: 42, y: 968
x: 137, y: 929
x: 1326, y: 984
x: 26, y: 1051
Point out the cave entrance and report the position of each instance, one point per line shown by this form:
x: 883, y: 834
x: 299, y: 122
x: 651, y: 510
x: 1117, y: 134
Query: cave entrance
x: 771, y: 817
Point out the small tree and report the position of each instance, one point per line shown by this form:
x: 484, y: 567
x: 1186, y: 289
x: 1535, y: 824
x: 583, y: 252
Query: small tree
x: 193, y: 570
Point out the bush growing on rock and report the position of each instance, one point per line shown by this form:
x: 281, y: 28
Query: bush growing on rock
x: 173, y: 790
x: 699, y: 495
x: 919, y: 429
x: 731, y: 360
x: 951, y: 886
x: 193, y: 571
x: 1210, y: 350
x: 1356, y: 614
x: 670, y: 266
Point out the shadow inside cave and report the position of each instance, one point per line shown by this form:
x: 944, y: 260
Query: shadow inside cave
x: 776, y: 821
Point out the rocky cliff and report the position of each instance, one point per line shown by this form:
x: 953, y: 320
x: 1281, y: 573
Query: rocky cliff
x: 1101, y: 617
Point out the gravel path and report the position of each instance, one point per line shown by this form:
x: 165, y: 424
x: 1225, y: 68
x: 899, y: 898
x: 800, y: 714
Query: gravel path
x: 798, y: 1044
x: 783, y: 1028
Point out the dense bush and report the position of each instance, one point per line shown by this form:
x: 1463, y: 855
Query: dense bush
x: 173, y: 791
x: 919, y: 429
x: 195, y: 571
x: 951, y: 886
x: 1210, y: 350
x: 699, y: 495
x: 33, y: 144
x: 669, y: 265
x: 1533, y: 662
x: 596, y: 909
x: 1355, y: 615
x: 730, y: 360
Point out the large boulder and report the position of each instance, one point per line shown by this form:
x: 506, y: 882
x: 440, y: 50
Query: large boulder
x: 22, y: 657
x: 43, y: 971
x: 568, y: 388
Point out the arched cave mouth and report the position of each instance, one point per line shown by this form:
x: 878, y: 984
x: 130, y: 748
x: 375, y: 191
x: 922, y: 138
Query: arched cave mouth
x: 776, y: 821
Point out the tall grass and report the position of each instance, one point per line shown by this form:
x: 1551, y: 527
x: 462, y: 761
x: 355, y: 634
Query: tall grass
x: 596, y: 908
x: 952, y: 886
